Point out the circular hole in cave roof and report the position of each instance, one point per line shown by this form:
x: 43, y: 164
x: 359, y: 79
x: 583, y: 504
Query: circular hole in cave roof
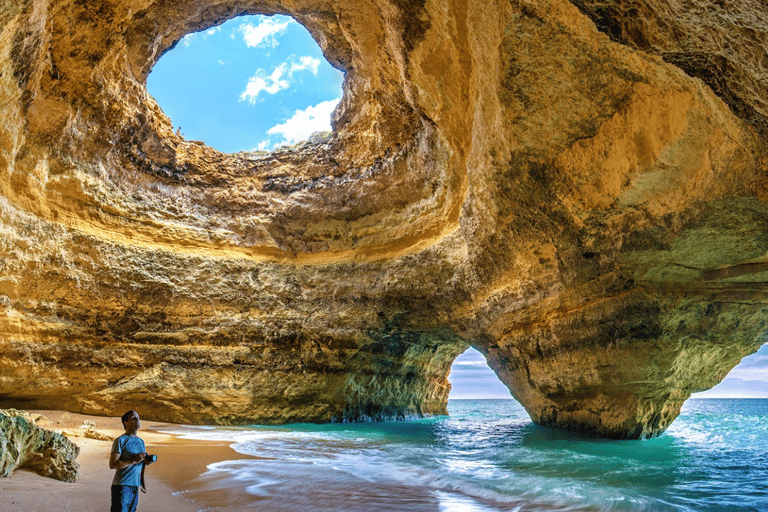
x: 252, y: 83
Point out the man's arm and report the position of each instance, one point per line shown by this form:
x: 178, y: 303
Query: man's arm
x: 116, y: 463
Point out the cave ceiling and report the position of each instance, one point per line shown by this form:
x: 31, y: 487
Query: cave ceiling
x: 578, y: 190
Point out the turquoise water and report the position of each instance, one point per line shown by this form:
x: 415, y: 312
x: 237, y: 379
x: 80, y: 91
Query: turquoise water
x: 487, y: 456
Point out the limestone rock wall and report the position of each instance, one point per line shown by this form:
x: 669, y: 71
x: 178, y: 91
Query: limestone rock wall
x: 722, y: 43
x: 581, y: 208
x: 24, y: 445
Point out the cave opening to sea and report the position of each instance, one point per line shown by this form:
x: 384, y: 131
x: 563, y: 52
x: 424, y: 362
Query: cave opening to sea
x: 252, y: 83
x: 748, y: 379
x: 472, y: 379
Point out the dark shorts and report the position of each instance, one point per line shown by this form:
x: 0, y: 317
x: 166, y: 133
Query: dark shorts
x: 125, y: 498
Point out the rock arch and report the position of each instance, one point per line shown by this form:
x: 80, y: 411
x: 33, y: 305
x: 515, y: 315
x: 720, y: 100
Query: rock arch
x: 589, y: 216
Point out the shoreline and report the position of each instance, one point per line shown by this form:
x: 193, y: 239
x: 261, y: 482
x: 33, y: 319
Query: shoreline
x: 178, y: 481
x: 170, y: 480
x: 486, y: 459
x: 193, y: 475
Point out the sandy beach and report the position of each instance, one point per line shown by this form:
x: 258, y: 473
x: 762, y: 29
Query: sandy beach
x: 180, y: 461
x: 180, y: 481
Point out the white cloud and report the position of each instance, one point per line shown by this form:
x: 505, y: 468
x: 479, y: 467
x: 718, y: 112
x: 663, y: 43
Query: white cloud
x: 188, y: 39
x: 749, y: 374
x: 279, y: 79
x: 265, y: 33
x: 470, y: 364
x: 272, y: 83
x: 305, y: 122
x: 305, y: 63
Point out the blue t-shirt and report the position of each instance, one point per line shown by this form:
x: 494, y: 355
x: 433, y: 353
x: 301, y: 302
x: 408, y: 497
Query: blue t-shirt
x: 128, y: 447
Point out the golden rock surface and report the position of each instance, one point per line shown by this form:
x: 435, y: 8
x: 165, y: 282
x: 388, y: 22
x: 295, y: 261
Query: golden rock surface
x: 588, y: 211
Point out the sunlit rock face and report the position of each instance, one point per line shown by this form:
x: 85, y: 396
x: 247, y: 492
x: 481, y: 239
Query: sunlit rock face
x: 589, y: 215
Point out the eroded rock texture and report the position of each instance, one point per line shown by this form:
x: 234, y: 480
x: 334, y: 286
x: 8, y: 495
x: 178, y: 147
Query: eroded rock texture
x: 576, y: 204
x: 26, y: 446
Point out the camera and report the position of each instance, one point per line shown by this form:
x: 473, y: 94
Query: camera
x: 150, y: 458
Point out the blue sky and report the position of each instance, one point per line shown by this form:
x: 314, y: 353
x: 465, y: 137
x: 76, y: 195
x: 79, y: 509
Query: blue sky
x: 254, y: 82
x: 748, y: 379
x: 471, y: 377
x: 260, y: 82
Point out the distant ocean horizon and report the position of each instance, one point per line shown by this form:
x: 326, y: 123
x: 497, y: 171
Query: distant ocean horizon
x: 488, y: 456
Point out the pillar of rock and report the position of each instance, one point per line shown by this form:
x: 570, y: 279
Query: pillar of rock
x: 572, y: 189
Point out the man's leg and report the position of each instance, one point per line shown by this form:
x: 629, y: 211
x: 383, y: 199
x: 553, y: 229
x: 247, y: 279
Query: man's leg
x: 117, y: 499
x: 131, y: 498
x: 125, y: 498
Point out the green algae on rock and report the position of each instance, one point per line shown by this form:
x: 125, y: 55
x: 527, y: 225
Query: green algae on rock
x: 26, y: 446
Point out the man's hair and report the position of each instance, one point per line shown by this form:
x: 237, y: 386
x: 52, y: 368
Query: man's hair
x: 127, y: 415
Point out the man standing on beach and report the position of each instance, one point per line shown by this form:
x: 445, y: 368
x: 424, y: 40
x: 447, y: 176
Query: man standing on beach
x: 127, y: 458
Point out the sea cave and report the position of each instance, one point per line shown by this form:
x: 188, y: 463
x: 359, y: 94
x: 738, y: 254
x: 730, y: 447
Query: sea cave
x: 576, y: 191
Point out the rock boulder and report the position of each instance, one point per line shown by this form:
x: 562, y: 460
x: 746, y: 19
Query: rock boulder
x: 26, y: 446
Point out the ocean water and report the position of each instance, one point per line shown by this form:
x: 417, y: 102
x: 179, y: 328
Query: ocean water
x: 488, y: 456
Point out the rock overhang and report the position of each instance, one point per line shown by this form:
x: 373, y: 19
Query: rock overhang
x: 380, y: 142
x: 501, y: 175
